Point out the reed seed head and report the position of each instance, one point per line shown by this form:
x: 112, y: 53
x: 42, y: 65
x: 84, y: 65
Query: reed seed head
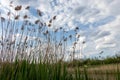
x: 39, y: 12
x: 49, y: 25
x: 25, y: 16
x: 28, y: 7
x: 2, y: 19
x: 17, y: 17
x: 18, y: 8
x: 37, y: 21
x: 54, y: 17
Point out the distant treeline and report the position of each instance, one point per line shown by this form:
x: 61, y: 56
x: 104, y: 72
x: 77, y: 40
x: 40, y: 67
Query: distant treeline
x: 95, y: 61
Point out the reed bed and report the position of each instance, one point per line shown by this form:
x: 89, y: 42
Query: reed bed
x: 30, y: 49
x: 26, y: 70
x: 24, y: 36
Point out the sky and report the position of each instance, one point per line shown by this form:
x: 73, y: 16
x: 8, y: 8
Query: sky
x: 98, y: 20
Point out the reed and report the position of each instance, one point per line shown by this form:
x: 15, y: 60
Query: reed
x: 32, y: 50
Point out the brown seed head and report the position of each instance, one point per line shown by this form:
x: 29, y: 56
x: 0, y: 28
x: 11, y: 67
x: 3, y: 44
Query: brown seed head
x: 25, y: 16
x: 49, y: 25
x: 17, y: 17
x: 37, y: 21
x: 17, y: 8
x: 75, y: 43
x: 39, y: 12
x: 2, y: 19
x: 54, y: 17
x: 27, y: 7
x: 56, y: 30
x: 78, y: 36
x: 50, y: 21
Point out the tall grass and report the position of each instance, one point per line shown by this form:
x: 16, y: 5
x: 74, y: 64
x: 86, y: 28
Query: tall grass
x: 25, y: 70
x: 25, y: 37
x: 31, y: 49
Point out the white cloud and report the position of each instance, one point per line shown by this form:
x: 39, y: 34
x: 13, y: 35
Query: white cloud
x: 103, y: 38
x: 114, y: 29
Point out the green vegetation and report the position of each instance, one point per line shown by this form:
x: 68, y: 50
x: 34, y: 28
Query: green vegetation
x: 23, y: 70
x: 33, y: 51
x: 109, y: 60
x: 26, y: 70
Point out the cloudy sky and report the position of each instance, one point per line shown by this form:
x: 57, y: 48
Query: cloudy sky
x: 98, y: 20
